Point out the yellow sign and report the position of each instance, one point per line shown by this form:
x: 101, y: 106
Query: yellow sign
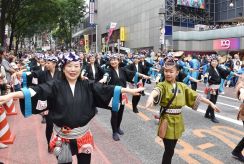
x: 122, y: 34
x: 86, y: 38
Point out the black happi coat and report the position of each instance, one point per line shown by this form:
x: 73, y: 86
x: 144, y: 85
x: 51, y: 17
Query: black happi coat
x: 43, y: 76
x: 98, y: 72
x: 132, y: 67
x: 214, y: 78
x: 125, y: 75
x: 66, y: 109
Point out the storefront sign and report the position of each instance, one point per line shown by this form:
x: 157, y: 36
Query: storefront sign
x: 86, y: 38
x: 226, y: 44
x: 91, y: 11
x: 122, y: 34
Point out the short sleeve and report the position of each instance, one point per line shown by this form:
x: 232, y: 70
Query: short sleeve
x: 102, y: 94
x: 192, y: 98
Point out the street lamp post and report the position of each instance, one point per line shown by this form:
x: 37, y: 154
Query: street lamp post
x: 161, y: 14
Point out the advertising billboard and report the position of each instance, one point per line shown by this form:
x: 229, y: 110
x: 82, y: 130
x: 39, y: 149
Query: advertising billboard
x: 227, y: 44
x: 192, y: 3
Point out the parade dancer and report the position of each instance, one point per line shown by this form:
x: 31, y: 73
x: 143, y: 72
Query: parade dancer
x: 237, y: 152
x: 71, y: 102
x: 119, y: 76
x: 93, y: 69
x: 162, y: 94
x: 146, y: 66
x: 214, y: 80
x: 38, y: 77
x: 136, y: 67
x: 195, y: 66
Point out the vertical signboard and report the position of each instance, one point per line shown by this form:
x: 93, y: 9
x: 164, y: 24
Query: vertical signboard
x: 91, y: 11
x: 86, y: 38
x: 122, y: 34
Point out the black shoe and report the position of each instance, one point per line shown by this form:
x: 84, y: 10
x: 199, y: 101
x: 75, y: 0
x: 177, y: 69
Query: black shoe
x: 238, y: 156
x: 116, y: 137
x: 214, y: 120
x: 121, y: 132
x: 135, y: 110
x: 143, y: 94
x: 207, y: 116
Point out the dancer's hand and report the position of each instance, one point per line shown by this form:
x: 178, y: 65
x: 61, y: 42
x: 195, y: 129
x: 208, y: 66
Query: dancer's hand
x: 149, y: 102
x: 134, y: 92
x: 5, y: 98
x: 214, y: 107
x: 146, y: 77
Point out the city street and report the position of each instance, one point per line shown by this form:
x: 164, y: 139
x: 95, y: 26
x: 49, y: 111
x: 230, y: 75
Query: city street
x: 202, y: 142
x: 56, y: 51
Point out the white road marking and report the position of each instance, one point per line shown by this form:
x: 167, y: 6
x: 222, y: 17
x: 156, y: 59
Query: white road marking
x: 221, y: 96
x: 235, y: 107
x: 224, y: 118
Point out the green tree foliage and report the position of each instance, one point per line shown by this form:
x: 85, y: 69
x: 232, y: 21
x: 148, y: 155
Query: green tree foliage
x: 71, y: 14
x: 29, y: 17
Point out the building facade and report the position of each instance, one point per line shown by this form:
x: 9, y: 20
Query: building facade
x: 139, y: 18
x: 141, y: 22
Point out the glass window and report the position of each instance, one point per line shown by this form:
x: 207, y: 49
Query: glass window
x: 223, y: 6
x: 239, y: 3
x: 223, y: 15
x: 231, y: 14
x: 239, y: 12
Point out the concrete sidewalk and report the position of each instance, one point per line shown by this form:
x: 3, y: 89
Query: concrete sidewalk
x: 30, y: 145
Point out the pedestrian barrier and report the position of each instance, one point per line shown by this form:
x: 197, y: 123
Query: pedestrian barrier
x: 5, y: 134
x: 10, y: 107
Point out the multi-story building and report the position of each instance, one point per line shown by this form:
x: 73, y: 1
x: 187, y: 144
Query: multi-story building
x: 200, y: 26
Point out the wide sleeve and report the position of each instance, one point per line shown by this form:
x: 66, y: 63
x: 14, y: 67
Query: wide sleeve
x: 192, y: 98
x: 102, y: 94
x: 34, y: 77
x: 129, y: 75
x: 101, y: 72
x: 160, y: 89
x: 36, y: 98
x: 223, y: 72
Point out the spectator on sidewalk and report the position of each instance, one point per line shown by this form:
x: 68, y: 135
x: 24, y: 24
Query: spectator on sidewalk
x: 5, y: 63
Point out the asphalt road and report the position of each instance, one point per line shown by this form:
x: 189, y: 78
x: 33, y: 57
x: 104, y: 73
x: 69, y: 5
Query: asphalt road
x: 202, y: 142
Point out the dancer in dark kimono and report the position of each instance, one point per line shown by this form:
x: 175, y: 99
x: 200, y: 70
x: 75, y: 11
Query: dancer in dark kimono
x: 119, y: 76
x: 71, y: 103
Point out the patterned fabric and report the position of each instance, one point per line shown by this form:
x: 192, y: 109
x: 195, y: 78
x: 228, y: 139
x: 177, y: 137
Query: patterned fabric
x: 114, y: 56
x: 69, y: 57
x: 84, y: 141
x: 52, y: 58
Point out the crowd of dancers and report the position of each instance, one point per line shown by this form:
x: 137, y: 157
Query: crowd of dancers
x: 67, y: 87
